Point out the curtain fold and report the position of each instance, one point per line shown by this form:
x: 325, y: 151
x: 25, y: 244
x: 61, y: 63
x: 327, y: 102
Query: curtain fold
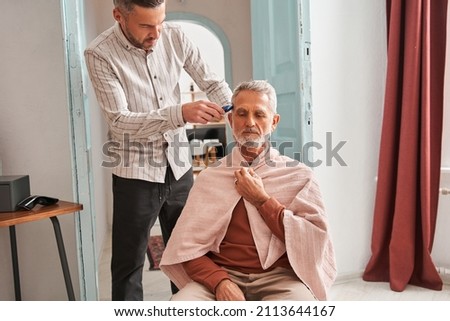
x: 410, y: 152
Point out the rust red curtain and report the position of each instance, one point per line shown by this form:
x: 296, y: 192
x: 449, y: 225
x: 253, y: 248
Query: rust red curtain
x: 410, y: 152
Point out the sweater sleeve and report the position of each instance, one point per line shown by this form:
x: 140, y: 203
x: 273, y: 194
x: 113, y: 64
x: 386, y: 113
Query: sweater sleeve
x: 204, y: 271
x: 272, y: 212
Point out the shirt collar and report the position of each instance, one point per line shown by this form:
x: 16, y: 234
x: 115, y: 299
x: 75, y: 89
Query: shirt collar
x: 124, y: 40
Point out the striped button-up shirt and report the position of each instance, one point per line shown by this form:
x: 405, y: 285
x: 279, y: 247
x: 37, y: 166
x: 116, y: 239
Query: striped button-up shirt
x: 140, y: 97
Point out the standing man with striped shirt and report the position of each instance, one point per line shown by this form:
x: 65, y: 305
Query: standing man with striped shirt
x: 135, y: 68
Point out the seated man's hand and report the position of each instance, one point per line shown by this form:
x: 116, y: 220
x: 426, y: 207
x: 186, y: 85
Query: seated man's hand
x: 227, y: 290
x: 250, y: 186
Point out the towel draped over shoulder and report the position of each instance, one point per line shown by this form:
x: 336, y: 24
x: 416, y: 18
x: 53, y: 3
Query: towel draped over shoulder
x: 207, y: 213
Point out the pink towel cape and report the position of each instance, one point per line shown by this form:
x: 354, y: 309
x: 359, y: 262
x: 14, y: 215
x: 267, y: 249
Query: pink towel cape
x: 207, y: 213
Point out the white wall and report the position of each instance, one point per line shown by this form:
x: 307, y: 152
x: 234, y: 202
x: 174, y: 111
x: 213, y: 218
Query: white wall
x: 348, y: 79
x: 35, y: 140
x: 348, y: 70
x: 440, y: 251
x: 442, y: 237
x: 446, y: 132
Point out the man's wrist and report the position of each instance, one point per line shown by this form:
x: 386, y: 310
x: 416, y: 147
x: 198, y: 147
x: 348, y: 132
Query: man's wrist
x: 221, y: 283
x: 260, y: 201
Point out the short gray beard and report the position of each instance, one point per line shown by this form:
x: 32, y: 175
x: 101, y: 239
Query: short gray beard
x: 253, y: 143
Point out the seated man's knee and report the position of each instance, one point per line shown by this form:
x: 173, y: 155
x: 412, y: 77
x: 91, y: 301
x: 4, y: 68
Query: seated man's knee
x: 193, y: 291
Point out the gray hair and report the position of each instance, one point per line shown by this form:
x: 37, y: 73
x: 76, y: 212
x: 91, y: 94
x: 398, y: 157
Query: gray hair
x: 128, y: 5
x: 260, y: 86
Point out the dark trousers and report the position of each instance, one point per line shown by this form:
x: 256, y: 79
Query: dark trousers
x: 137, y: 205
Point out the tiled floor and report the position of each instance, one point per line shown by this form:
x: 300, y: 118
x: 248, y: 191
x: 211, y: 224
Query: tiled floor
x: 157, y: 287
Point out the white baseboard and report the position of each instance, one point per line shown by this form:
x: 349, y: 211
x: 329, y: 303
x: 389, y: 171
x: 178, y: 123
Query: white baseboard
x: 445, y: 278
x: 344, y: 278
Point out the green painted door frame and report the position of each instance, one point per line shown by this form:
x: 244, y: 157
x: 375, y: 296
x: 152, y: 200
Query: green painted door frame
x: 281, y: 55
x: 81, y: 148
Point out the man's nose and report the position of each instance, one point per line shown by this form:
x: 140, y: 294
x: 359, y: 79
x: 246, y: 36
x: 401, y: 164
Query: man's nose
x: 250, y: 121
x: 155, y: 32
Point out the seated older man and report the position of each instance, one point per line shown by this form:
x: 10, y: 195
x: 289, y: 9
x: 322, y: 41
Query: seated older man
x: 254, y: 226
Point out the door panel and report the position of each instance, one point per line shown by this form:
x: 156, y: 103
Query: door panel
x: 278, y: 39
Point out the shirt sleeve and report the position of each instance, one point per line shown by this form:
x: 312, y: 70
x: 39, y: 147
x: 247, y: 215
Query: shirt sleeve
x: 113, y: 102
x: 216, y: 89
x: 204, y: 271
x: 272, y: 212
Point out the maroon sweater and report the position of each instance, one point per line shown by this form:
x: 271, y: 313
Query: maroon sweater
x: 237, y: 250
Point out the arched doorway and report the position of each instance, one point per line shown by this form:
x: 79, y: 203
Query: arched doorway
x: 214, y: 48
x: 211, y: 50
x: 202, y: 30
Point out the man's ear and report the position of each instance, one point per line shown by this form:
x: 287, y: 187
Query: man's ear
x: 275, y: 121
x: 117, y: 15
x: 230, y: 119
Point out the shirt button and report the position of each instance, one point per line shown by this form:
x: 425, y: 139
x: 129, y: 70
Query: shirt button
x: 160, y: 98
x: 154, y: 77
